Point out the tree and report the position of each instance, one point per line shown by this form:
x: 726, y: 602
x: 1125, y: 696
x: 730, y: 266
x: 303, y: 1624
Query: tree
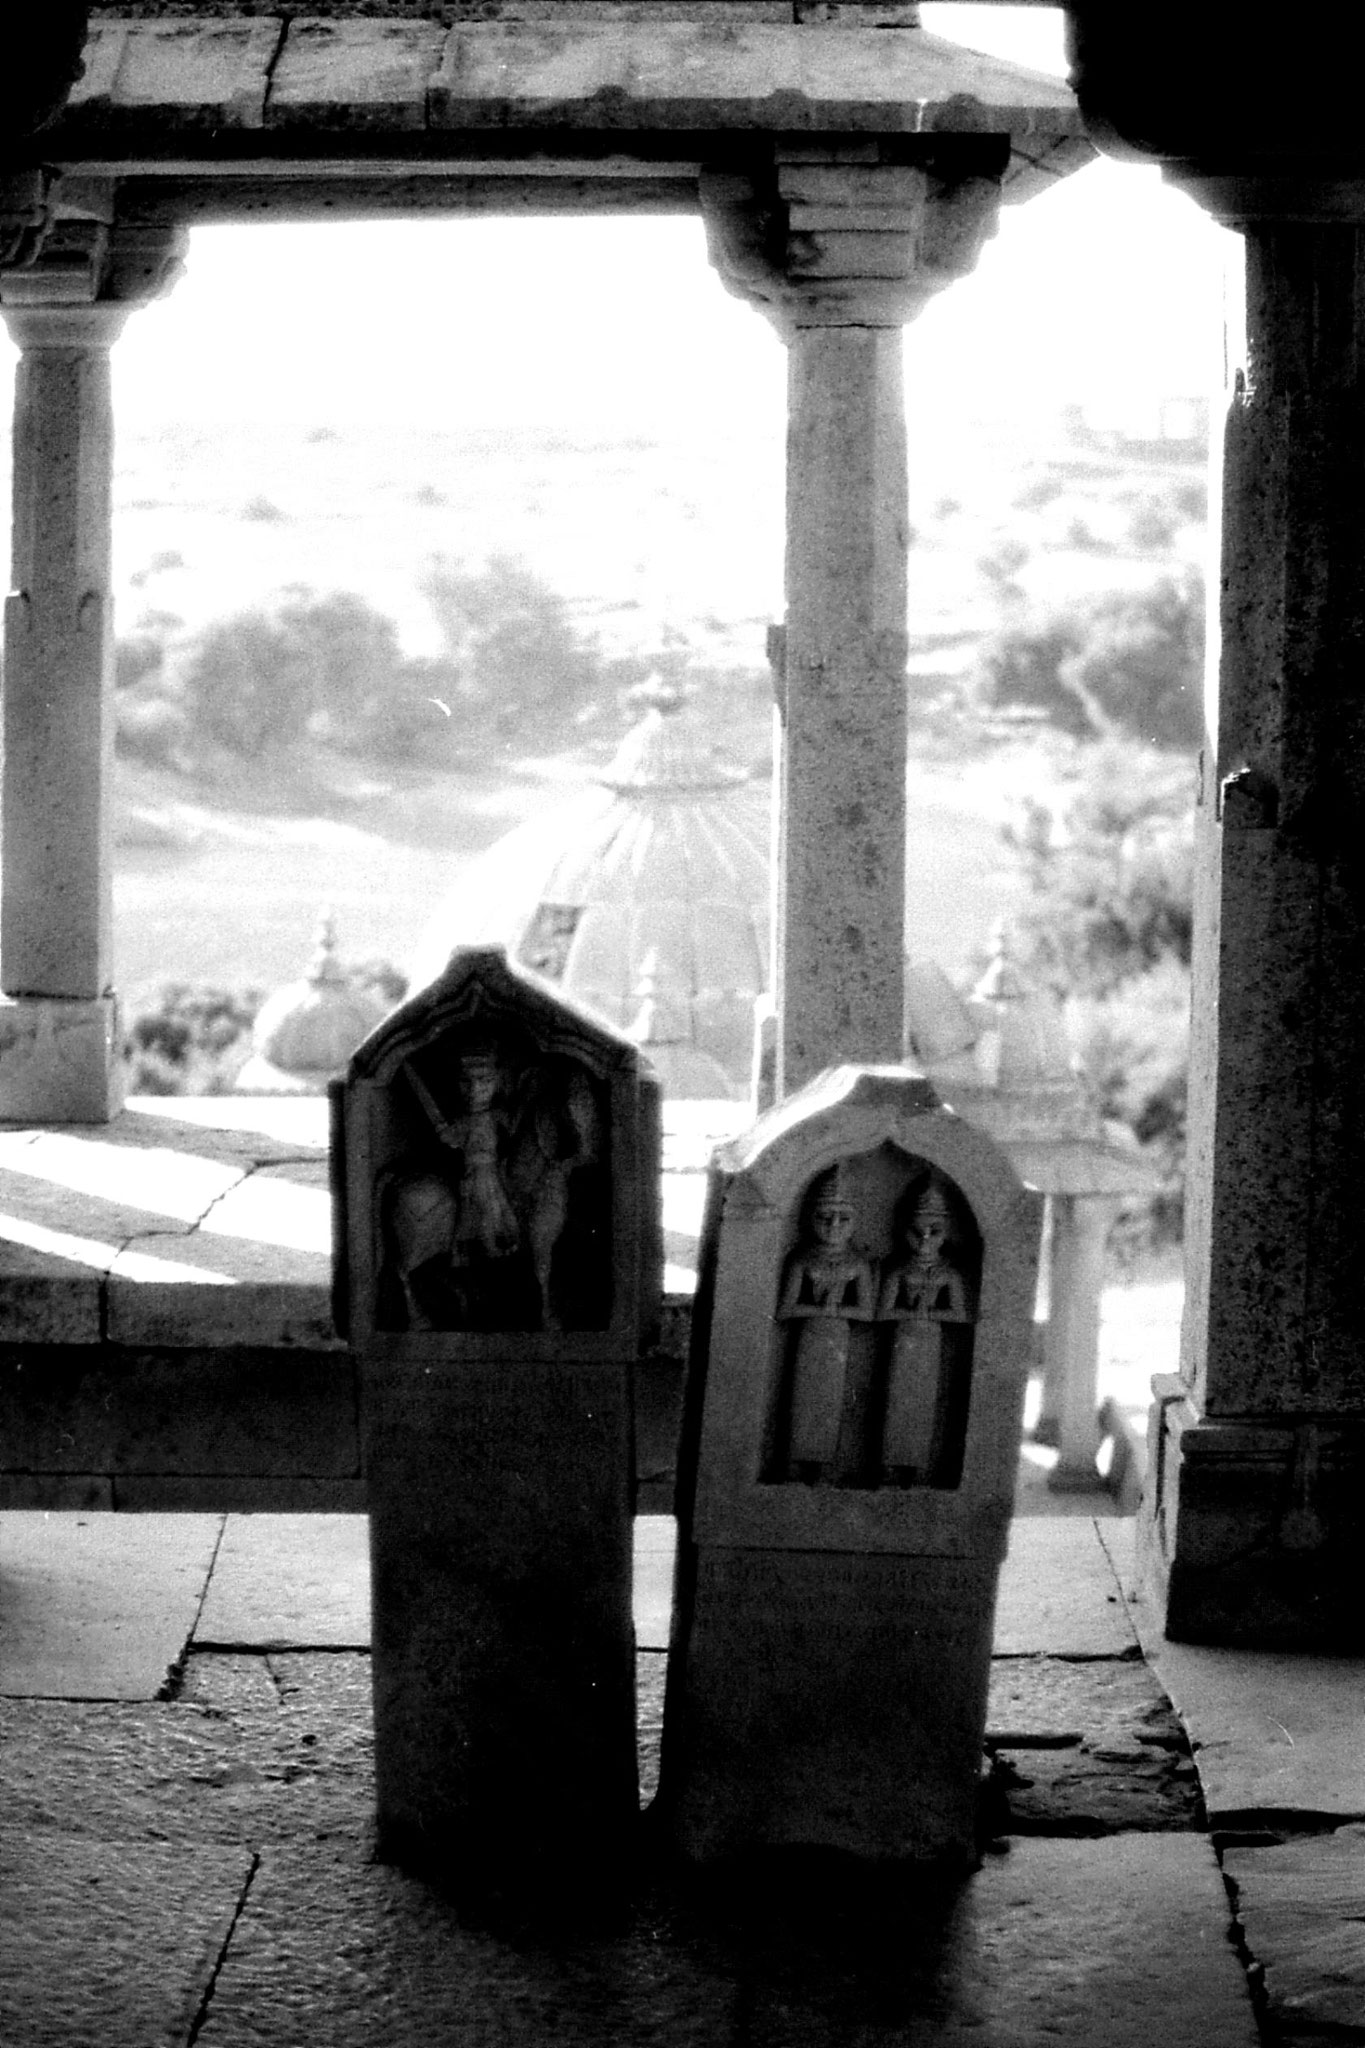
x: 328, y: 668
x: 1141, y: 662
x: 250, y: 684
x: 514, y: 650
x: 1128, y: 663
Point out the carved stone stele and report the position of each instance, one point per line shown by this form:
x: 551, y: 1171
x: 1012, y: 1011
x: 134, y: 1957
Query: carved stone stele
x: 855, y: 1405
x: 496, y: 1172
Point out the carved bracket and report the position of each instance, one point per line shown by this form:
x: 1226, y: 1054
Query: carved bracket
x: 817, y: 240
x: 65, y: 247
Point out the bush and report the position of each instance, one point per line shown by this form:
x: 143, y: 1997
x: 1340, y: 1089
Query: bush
x: 1129, y: 663
x: 330, y: 669
x: 515, y: 656
x: 250, y: 685
x: 193, y: 1041
x: 1111, y: 877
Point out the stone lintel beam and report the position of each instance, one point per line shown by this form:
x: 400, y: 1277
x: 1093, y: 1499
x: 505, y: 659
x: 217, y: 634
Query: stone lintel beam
x: 839, y: 254
x: 58, y: 1037
x: 227, y: 85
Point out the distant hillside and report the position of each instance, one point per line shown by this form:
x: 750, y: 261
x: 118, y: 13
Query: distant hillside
x: 647, y: 537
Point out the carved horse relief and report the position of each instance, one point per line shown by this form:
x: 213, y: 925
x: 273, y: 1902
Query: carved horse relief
x: 471, y: 1237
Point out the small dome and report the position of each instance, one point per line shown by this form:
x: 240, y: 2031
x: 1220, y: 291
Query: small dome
x: 306, y: 1032
x: 658, y: 875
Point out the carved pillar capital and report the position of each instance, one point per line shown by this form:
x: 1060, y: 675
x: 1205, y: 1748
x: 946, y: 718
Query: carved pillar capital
x: 82, y: 262
x: 817, y: 240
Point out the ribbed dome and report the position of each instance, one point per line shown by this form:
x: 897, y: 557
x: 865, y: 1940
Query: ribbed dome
x: 306, y: 1032
x: 658, y: 875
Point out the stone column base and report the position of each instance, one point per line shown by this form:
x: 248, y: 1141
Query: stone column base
x: 1252, y: 1531
x: 60, y: 1060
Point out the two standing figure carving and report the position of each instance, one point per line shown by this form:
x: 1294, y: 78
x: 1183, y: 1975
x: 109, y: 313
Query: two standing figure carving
x: 892, y: 1413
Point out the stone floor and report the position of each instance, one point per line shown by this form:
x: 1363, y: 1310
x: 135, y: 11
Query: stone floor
x: 185, y: 1826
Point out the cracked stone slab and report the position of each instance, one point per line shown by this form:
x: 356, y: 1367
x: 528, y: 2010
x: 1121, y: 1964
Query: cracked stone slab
x: 1302, y: 1906
x: 111, y: 1942
x: 98, y: 1607
x: 1058, y: 1593
x: 1087, y: 1747
x: 290, y: 1580
x: 1070, y: 1943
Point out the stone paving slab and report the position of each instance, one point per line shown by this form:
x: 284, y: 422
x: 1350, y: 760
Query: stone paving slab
x: 1122, y: 1942
x: 282, y: 1580
x: 263, y: 1747
x: 257, y: 1749
x: 1059, y: 1595
x: 305, y: 1580
x: 1271, y: 1732
x: 1300, y: 1904
x: 98, y: 1607
x: 110, y: 1944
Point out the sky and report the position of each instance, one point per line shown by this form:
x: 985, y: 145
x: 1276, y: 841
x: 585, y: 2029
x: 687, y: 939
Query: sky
x: 1105, y: 290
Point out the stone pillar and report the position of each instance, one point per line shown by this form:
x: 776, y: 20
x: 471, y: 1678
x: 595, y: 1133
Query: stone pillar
x: 1080, y: 1231
x: 1256, y: 1508
x: 59, y: 1041
x: 841, y: 247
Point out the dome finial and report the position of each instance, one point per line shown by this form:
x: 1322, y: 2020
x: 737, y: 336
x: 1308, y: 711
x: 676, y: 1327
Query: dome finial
x: 305, y: 1032
x: 667, y: 752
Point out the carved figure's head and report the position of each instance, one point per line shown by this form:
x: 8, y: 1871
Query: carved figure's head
x: 928, y: 1222
x: 831, y: 1211
x: 479, y: 1075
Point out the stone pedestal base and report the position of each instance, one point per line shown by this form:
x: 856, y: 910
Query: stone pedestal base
x: 829, y: 1701
x: 504, y: 1681
x: 60, y: 1060
x: 1253, y: 1531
